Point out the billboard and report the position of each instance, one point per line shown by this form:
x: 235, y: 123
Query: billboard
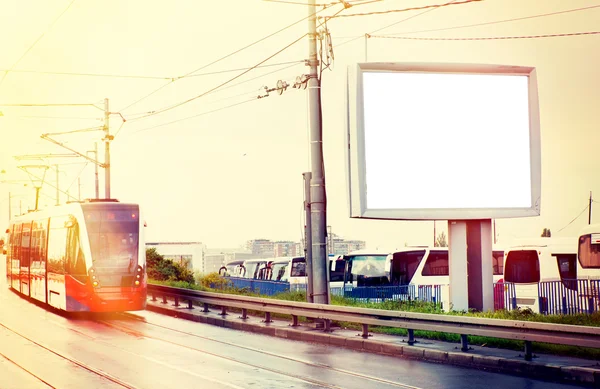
x: 442, y: 141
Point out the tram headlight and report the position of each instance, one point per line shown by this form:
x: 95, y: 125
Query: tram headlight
x: 137, y: 282
x: 96, y: 284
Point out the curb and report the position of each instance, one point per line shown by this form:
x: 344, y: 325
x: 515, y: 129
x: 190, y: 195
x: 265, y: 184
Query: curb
x: 564, y: 374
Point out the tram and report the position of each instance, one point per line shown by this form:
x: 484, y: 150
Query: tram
x: 81, y: 256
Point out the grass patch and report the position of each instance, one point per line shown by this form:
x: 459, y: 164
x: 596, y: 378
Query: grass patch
x: 592, y: 320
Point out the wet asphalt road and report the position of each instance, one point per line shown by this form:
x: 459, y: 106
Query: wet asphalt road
x: 40, y: 348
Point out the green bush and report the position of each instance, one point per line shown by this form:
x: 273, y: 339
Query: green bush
x: 213, y: 280
x: 161, y: 269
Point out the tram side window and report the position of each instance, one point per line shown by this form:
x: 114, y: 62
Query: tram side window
x: 16, y: 243
x: 57, y: 245
x: 498, y: 262
x: 75, y: 264
x: 589, y: 254
x: 436, y: 265
x: 25, y: 244
x: 522, y: 267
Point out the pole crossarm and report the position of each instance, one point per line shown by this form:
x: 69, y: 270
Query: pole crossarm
x: 94, y: 161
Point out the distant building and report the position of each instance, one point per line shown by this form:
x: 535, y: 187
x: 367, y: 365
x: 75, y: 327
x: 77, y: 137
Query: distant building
x: 188, y: 254
x: 262, y: 248
x: 215, y: 258
x: 287, y: 249
x: 340, y: 246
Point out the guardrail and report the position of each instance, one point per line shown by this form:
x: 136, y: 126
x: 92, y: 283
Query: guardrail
x: 496, y: 328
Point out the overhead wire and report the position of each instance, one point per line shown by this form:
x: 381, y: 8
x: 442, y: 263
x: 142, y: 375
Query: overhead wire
x: 35, y: 42
x: 576, y: 217
x: 221, y: 59
x: 487, y: 38
x: 497, y: 21
x: 153, y: 113
x: 434, y: 6
x: 395, y: 23
x: 193, y: 116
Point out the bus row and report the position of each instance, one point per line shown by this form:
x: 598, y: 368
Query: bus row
x: 551, y: 260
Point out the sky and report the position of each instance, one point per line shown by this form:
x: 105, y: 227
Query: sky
x: 208, y: 161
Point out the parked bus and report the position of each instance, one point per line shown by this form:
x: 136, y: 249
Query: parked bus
x: 429, y: 266
x: 588, y: 252
x: 232, y: 269
x: 288, y: 269
x: 552, y: 261
x: 255, y: 268
x: 359, y: 268
x: 84, y: 256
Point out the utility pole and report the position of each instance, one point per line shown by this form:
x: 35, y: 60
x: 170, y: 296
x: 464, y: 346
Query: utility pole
x: 590, y: 209
x: 57, y: 191
x: 317, y: 182
x: 107, y: 139
x: 96, y: 170
x: 308, y: 239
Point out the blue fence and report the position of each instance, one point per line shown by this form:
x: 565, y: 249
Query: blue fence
x: 564, y: 297
x: 427, y: 293
x: 268, y: 288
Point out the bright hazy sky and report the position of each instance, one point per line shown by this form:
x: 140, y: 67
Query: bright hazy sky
x: 236, y: 174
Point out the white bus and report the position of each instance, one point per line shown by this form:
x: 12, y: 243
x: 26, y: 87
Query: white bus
x: 588, y: 252
x: 552, y: 261
x: 288, y: 269
x: 359, y: 268
x: 429, y: 266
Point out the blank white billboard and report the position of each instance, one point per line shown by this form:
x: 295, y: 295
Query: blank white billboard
x: 443, y: 141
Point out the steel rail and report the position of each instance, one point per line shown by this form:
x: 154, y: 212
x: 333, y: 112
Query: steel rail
x: 562, y: 334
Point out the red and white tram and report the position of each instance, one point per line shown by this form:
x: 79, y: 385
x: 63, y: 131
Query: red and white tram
x: 82, y: 256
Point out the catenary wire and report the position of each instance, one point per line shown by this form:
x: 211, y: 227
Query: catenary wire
x: 219, y: 59
x: 36, y: 41
x: 576, y: 217
x: 496, y: 21
x: 395, y: 23
x: 221, y: 84
x: 194, y: 116
x: 434, y: 6
x: 488, y: 38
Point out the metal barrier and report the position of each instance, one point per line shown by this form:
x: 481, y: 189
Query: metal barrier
x: 505, y: 329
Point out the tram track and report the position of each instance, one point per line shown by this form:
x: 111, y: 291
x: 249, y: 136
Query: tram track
x: 64, y: 356
x: 27, y: 371
x: 252, y: 349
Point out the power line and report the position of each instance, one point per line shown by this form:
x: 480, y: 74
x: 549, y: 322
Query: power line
x: 222, y: 84
x: 487, y: 38
x: 220, y: 59
x: 395, y: 23
x: 75, y: 131
x: 255, y: 67
x: 576, y: 217
x: 497, y: 21
x: 194, y: 116
x: 91, y: 74
x: 53, y: 117
x: 435, y: 6
x: 36, y: 41
x: 232, y: 86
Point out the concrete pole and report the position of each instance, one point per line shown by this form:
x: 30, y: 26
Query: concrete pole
x: 107, y: 138
x: 317, y: 182
x: 57, y: 191
x: 308, y: 239
x: 96, y: 170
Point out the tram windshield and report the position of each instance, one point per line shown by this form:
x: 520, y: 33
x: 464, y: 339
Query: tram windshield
x: 114, y: 239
